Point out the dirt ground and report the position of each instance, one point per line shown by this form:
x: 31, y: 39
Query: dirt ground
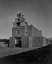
x: 37, y: 56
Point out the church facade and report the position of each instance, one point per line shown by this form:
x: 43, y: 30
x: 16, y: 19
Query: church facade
x: 24, y: 35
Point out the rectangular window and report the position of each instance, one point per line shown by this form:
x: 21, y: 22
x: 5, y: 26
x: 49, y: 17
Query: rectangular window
x: 18, y: 19
x: 18, y: 31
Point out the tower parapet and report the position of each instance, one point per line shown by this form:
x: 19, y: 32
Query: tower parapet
x: 19, y: 21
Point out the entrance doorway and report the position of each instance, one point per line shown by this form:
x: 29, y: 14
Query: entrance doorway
x: 18, y: 42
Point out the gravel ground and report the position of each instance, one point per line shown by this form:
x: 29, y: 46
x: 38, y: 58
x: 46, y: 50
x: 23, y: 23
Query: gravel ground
x: 37, y: 56
x: 11, y: 51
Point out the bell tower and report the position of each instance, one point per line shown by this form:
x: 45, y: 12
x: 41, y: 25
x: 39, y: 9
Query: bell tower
x: 19, y: 21
x: 19, y: 31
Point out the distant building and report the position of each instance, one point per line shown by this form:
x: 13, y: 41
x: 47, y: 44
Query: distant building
x: 49, y: 40
x: 4, y: 42
x: 23, y: 34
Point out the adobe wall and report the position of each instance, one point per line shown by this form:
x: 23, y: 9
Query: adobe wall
x: 27, y: 42
x: 22, y: 36
x: 48, y: 41
x: 23, y: 42
x: 15, y: 34
x: 29, y: 30
x: 11, y: 42
x: 37, y: 42
x: 44, y: 41
x: 36, y: 32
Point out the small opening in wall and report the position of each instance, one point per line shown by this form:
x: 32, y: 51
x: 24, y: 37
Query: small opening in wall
x: 18, y: 31
x: 18, y: 42
x: 26, y: 32
x: 18, y: 19
x: 19, y: 15
x: 18, y: 23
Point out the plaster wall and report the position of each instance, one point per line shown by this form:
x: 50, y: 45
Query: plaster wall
x: 37, y: 42
x: 48, y: 41
x: 27, y: 42
x: 22, y: 24
x: 36, y: 32
x: 11, y: 42
x: 21, y: 34
x: 30, y: 41
x: 16, y: 32
x: 14, y: 24
x: 29, y: 30
x: 26, y: 31
x: 44, y: 41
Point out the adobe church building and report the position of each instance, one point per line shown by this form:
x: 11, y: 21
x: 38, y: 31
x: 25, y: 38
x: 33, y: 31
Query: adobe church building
x: 24, y: 35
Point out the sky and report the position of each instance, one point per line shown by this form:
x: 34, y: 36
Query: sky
x: 36, y: 12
